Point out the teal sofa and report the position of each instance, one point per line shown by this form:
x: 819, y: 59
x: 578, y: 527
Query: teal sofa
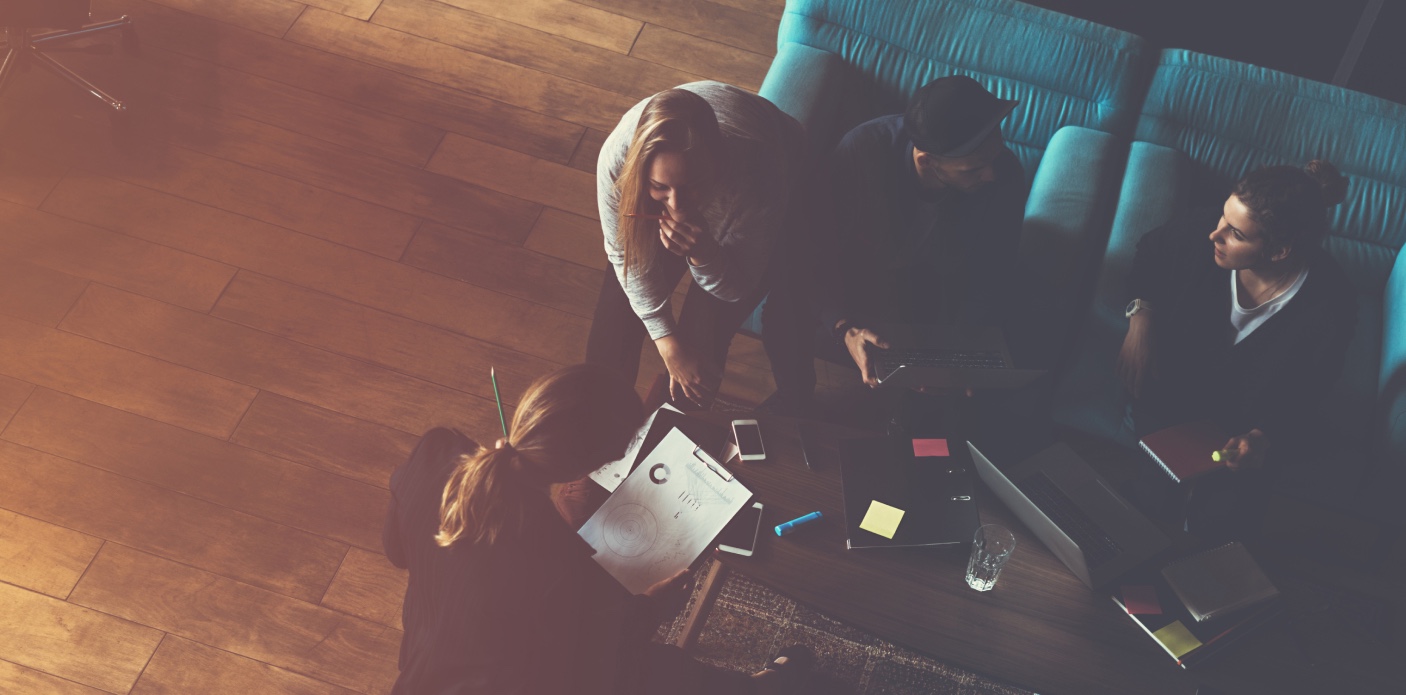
x: 1115, y: 136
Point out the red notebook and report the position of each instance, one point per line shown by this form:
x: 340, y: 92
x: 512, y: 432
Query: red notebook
x: 1184, y: 451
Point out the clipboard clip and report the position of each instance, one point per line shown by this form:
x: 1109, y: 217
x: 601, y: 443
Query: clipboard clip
x: 712, y: 465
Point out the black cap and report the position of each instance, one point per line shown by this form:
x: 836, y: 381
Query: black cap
x: 951, y: 116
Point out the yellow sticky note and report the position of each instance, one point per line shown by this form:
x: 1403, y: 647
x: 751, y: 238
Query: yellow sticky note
x: 1177, y: 639
x: 882, y: 519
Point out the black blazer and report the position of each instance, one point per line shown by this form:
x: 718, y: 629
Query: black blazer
x: 1276, y: 379
x: 534, y: 615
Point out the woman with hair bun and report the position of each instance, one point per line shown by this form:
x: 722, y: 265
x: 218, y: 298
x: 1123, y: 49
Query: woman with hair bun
x: 504, y: 597
x: 1249, y: 330
x: 698, y: 179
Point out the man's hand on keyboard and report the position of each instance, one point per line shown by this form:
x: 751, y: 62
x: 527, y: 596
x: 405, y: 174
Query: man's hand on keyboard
x: 855, y: 341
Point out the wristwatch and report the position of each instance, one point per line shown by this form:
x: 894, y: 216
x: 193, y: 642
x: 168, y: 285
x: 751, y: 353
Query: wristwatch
x: 1135, y: 306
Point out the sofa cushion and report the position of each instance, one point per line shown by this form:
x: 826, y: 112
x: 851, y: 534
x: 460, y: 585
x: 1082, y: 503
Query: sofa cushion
x: 809, y: 84
x: 1088, y: 395
x: 1062, y: 241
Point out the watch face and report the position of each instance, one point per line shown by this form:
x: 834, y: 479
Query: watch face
x: 1132, y: 309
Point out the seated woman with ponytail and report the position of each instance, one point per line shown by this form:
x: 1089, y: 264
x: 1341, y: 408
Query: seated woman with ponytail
x: 1240, y: 316
x: 504, y: 597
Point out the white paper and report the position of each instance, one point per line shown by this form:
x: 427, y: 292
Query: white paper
x: 612, y: 474
x: 664, y: 515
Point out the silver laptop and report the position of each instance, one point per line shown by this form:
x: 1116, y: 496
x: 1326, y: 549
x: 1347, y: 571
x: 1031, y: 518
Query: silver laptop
x: 1083, y: 521
x: 947, y: 357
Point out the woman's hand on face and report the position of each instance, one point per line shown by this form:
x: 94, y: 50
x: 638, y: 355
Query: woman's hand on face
x: 1135, y: 357
x: 688, y: 240
x: 690, y: 378
x: 1246, y: 451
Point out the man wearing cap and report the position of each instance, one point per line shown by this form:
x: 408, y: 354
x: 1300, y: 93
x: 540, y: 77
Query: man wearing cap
x: 924, y: 220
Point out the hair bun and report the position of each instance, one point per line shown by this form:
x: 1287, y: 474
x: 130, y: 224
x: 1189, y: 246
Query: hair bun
x: 1330, y: 180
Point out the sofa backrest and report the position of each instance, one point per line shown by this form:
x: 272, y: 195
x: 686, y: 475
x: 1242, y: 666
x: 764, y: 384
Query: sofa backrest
x: 1064, y: 70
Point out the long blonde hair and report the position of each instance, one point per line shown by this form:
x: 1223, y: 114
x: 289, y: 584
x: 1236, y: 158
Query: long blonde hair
x: 569, y: 423
x: 674, y: 120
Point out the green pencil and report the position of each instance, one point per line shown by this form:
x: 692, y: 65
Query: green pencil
x: 501, y: 420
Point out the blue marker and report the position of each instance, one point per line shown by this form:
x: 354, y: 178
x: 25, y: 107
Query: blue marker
x: 788, y: 527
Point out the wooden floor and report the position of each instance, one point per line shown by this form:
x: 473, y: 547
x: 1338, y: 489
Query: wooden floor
x: 225, y: 321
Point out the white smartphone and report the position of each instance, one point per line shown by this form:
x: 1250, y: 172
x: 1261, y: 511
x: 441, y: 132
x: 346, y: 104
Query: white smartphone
x: 740, y: 535
x: 749, y: 440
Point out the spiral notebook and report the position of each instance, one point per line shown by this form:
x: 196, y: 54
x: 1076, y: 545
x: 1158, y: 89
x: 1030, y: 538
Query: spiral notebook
x: 1184, y: 451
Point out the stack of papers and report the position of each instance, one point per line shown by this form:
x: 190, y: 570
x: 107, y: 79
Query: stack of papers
x: 662, y: 516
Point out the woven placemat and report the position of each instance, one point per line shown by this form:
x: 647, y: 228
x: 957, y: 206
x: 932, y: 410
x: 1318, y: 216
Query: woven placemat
x: 748, y: 622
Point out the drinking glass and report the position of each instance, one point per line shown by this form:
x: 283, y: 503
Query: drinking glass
x: 991, y: 548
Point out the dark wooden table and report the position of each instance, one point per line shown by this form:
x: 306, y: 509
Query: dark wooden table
x: 1039, y: 628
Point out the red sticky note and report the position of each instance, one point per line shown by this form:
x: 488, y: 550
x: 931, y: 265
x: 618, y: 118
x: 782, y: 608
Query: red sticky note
x: 1141, y: 599
x: 930, y: 447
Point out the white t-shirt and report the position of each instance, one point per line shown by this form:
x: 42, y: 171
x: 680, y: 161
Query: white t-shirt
x: 1245, y: 320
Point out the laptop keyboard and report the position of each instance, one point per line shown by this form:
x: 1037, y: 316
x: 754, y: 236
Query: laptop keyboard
x: 961, y: 359
x: 1097, y: 546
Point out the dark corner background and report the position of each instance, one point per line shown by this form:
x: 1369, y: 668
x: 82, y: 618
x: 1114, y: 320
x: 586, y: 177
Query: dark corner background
x: 1317, y: 39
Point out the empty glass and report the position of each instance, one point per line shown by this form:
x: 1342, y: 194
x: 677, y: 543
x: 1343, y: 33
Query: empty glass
x: 991, y: 548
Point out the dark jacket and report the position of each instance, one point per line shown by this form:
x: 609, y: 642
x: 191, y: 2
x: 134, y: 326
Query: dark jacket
x: 1276, y: 379
x: 893, y: 251
x: 532, y: 615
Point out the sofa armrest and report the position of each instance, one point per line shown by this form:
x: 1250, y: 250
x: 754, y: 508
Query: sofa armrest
x: 1393, y: 371
x: 808, y: 84
x: 1066, y: 226
x: 1088, y: 396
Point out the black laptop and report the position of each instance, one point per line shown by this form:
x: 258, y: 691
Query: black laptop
x: 1083, y: 521
x: 947, y: 357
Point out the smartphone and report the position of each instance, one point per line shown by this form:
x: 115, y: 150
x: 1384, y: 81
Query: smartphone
x: 749, y: 440
x: 739, y: 537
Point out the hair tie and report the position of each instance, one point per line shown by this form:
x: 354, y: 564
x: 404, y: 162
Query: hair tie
x: 515, y: 460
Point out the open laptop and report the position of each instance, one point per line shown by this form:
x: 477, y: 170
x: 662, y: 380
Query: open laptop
x: 1088, y: 526
x: 947, y: 357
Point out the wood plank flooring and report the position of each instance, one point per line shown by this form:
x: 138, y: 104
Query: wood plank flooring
x: 225, y: 320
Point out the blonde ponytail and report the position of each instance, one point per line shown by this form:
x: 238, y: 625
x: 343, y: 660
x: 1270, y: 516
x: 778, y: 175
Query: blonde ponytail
x: 569, y: 423
x: 481, y: 495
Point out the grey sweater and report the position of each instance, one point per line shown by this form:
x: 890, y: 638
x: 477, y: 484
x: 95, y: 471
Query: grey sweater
x: 763, y: 148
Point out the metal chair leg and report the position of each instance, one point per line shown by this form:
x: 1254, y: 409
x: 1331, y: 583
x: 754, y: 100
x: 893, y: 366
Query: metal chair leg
x: 48, y: 37
x: 14, y: 54
x: 58, y: 69
x: 24, y: 48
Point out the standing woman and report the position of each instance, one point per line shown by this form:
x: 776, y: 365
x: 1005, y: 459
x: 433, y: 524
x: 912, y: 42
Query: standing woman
x: 1247, y: 326
x: 504, y: 597
x: 700, y: 178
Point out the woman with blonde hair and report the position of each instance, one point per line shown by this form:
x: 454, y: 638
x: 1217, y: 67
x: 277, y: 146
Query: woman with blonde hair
x: 504, y: 597
x: 700, y: 178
